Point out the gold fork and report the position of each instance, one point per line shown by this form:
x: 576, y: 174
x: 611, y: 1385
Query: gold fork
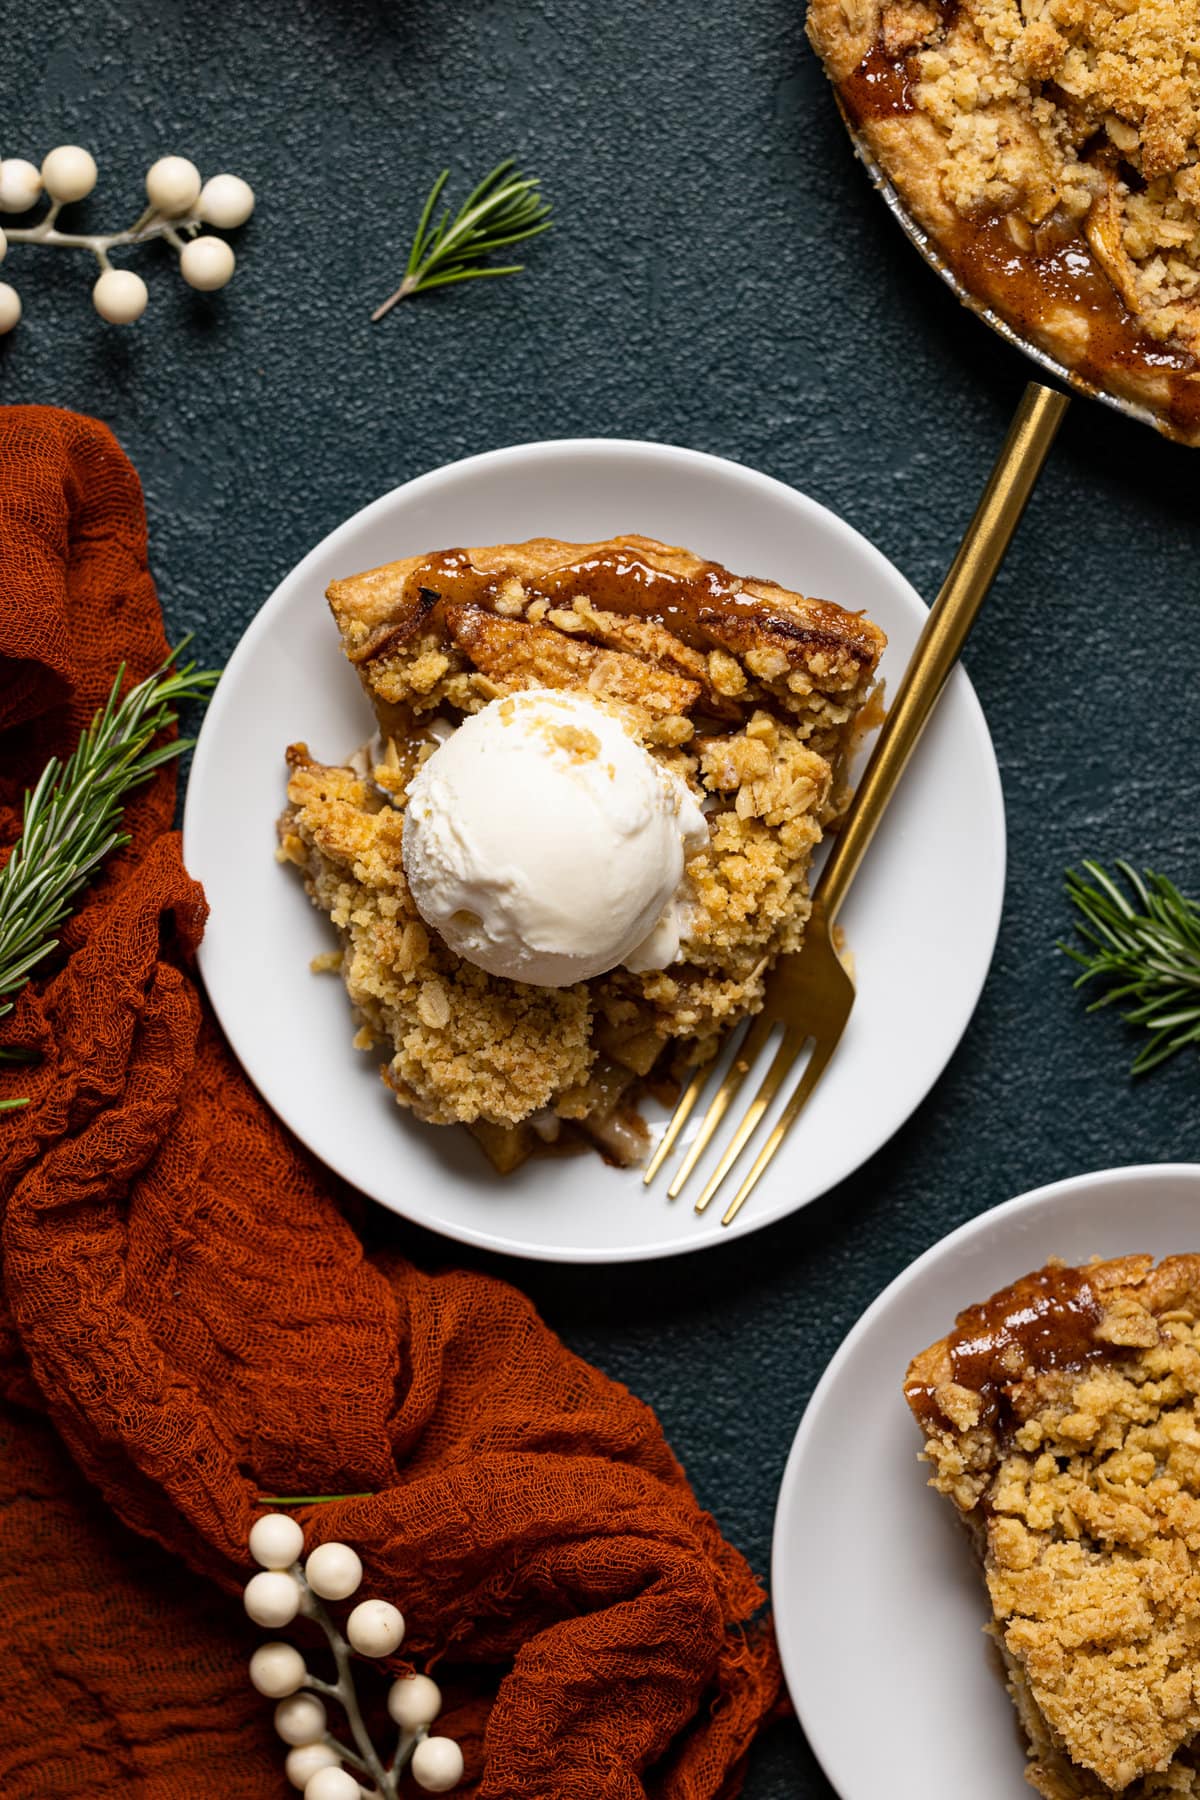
x: 810, y: 994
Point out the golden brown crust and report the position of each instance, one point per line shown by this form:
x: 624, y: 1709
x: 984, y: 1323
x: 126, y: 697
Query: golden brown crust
x: 748, y: 693
x: 1081, y: 1485
x: 1051, y: 150
x: 387, y: 606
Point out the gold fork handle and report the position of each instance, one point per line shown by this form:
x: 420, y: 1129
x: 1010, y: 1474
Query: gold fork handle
x: 963, y: 592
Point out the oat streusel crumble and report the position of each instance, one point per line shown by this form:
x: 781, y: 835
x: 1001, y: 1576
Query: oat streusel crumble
x: 1052, y: 150
x: 746, y: 691
x: 1062, y: 1418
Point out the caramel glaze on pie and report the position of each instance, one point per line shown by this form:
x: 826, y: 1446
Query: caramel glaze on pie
x: 1046, y: 1320
x: 698, y: 603
x: 1052, y: 152
x: 751, y: 694
x: 1062, y: 1419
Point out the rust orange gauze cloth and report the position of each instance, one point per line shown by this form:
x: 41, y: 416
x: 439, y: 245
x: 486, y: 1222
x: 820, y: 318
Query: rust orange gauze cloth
x: 188, y: 1321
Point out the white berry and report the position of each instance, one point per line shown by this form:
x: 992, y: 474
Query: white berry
x: 332, y: 1784
x: 333, y: 1571
x: 69, y: 172
x: 206, y: 263
x: 414, y: 1701
x: 272, y: 1598
x: 300, y: 1719
x: 277, y: 1670
x: 437, y: 1765
x: 10, y: 307
x: 276, y: 1541
x: 375, y: 1628
x: 226, y: 201
x: 120, y: 296
x: 172, y: 185
x: 20, y: 184
x: 303, y: 1762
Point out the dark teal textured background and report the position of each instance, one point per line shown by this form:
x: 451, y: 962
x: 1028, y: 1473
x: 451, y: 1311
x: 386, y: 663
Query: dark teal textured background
x: 721, y: 276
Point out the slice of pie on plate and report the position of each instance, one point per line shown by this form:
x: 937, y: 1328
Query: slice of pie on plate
x: 747, y: 693
x: 1062, y: 1420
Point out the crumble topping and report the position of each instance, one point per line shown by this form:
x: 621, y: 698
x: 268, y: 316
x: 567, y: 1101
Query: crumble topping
x: 1083, y: 1496
x: 464, y: 1046
x: 575, y: 741
x: 1067, y: 113
x: 1049, y: 151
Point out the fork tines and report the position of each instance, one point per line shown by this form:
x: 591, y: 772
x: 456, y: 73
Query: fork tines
x: 753, y: 1043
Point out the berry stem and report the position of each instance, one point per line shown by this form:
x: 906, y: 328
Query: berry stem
x: 344, y: 1691
x: 148, y: 227
x: 406, y: 1743
x: 343, y: 1750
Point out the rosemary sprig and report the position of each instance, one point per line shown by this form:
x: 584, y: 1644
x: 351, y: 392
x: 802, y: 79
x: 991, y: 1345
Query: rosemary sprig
x: 505, y: 208
x: 72, y: 817
x: 309, y: 1499
x: 1146, y: 949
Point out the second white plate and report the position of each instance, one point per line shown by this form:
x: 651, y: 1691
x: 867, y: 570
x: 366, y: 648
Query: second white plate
x: 879, y: 1602
x: 921, y: 921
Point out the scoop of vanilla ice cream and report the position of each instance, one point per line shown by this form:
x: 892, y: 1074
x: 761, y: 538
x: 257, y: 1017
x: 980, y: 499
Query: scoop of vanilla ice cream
x: 546, y: 845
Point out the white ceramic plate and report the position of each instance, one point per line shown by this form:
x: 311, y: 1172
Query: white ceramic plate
x: 879, y: 1605
x: 921, y: 921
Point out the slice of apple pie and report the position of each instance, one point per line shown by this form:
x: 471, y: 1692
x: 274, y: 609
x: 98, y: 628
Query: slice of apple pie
x: 738, y: 702
x: 1062, y: 1418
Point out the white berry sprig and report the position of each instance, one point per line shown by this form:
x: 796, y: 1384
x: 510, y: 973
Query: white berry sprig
x: 180, y: 204
x: 316, y: 1761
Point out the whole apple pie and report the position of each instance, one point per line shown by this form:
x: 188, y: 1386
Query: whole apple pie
x: 581, y: 834
x: 1051, y: 150
x: 1062, y: 1419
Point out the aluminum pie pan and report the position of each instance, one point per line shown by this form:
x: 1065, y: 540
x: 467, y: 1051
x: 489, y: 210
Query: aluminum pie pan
x: 916, y: 235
